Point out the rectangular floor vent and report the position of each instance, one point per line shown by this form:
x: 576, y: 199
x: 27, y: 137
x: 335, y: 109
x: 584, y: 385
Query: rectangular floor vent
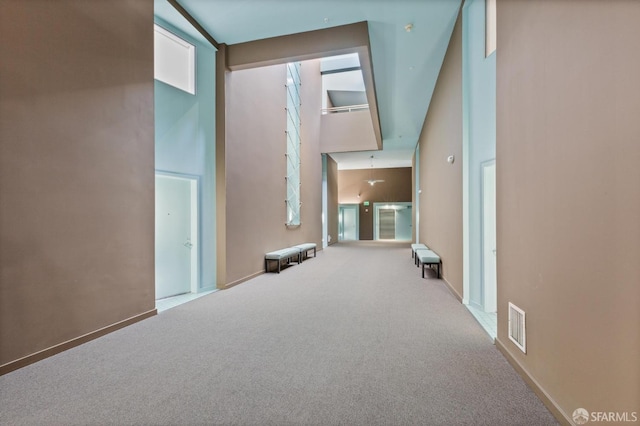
x: 517, y: 330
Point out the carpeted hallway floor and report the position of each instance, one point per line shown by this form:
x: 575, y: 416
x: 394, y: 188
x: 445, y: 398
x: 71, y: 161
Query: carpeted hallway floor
x: 352, y: 337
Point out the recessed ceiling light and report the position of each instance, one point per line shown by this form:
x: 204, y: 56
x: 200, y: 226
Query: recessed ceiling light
x: 408, y: 27
x: 326, y: 20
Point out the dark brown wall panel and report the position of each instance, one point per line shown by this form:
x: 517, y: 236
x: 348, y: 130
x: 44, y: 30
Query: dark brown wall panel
x: 76, y: 170
x: 441, y: 182
x: 568, y: 196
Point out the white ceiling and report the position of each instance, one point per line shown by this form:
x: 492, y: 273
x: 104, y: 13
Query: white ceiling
x: 405, y: 64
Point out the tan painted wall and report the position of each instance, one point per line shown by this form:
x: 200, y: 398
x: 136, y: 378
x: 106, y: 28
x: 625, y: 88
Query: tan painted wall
x: 310, y: 45
x: 395, y: 188
x: 347, y: 131
x: 76, y: 170
x: 332, y: 199
x: 568, y: 206
x: 256, y: 168
x: 441, y: 182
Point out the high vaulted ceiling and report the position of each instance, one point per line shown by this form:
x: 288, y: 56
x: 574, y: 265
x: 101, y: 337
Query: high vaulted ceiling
x: 405, y: 63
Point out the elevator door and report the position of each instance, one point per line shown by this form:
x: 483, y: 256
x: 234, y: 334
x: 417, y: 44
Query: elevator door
x: 387, y: 221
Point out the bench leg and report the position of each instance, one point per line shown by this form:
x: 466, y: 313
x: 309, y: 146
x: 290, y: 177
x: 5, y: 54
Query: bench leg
x: 314, y: 252
x: 423, y: 270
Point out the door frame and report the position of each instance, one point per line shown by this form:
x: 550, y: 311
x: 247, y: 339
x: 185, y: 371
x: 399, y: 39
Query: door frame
x: 195, y: 237
x: 356, y: 207
x: 376, y: 216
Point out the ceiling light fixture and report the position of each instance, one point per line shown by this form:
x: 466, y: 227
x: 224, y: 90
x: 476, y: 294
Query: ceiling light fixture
x: 371, y: 181
x: 408, y: 27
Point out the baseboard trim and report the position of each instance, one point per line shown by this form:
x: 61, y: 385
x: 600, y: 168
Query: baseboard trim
x: 53, y: 350
x: 452, y: 289
x: 241, y: 280
x: 251, y: 276
x: 546, y: 399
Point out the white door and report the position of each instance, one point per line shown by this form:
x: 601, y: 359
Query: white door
x: 348, y: 223
x: 489, y: 237
x: 403, y: 223
x: 174, y: 246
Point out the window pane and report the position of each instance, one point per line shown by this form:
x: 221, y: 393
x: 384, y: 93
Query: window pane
x: 490, y: 27
x: 174, y: 60
x: 293, y: 143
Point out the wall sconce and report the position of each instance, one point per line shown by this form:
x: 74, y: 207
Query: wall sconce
x: 451, y: 159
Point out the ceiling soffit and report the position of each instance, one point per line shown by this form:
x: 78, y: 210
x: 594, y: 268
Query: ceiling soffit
x: 344, y: 39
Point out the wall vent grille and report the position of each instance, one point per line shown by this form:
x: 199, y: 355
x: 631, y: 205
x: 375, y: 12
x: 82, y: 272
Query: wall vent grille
x: 517, y: 330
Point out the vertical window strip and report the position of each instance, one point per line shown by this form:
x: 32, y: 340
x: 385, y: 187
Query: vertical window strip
x: 490, y: 27
x: 293, y: 144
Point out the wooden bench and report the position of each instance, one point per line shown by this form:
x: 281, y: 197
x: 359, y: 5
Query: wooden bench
x: 304, y: 249
x: 428, y: 257
x: 282, y: 254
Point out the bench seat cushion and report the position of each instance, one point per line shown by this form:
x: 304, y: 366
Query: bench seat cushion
x: 427, y: 256
x: 414, y: 247
x: 306, y: 246
x: 282, y: 253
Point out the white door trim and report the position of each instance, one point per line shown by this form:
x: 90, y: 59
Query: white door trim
x: 356, y: 207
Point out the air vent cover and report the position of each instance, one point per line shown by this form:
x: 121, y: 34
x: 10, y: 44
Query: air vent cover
x: 517, y: 330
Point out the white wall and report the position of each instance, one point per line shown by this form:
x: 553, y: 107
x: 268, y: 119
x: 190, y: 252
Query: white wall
x: 185, y: 143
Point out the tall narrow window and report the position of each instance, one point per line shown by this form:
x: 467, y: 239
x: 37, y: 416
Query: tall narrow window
x: 293, y: 144
x: 490, y: 27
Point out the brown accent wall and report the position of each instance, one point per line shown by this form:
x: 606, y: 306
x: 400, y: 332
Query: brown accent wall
x: 220, y: 168
x: 256, y: 166
x: 332, y: 199
x: 395, y: 188
x: 76, y: 172
x: 568, y: 197
x: 441, y: 182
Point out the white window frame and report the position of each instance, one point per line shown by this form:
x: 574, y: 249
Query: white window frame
x: 293, y: 176
x: 491, y: 30
x: 175, y: 64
